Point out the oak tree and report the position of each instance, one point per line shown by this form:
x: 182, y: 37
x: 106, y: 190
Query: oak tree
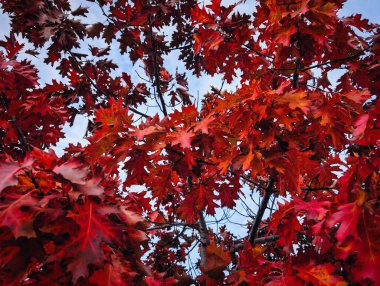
x: 294, y: 148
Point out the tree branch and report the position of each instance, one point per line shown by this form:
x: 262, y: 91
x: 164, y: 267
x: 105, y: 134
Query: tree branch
x: 169, y: 225
x: 203, y: 232
x: 325, y: 63
x: 259, y: 240
x: 265, y: 239
x: 336, y: 60
x: 155, y: 69
x: 255, y: 227
x: 317, y: 189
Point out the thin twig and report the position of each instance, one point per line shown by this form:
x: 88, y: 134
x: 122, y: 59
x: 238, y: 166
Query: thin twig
x: 99, y: 89
x: 257, y: 52
x: 325, y: 63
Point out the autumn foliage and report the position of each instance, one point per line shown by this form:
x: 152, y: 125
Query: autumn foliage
x: 301, y: 132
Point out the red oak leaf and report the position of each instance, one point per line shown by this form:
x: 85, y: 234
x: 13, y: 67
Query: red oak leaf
x: 315, y: 209
x: 84, y: 248
x: 347, y: 217
x: 18, y: 212
x: 72, y: 171
x: 283, y: 35
x: 115, y: 274
x: 204, y: 124
x: 295, y: 100
x: 217, y: 259
x: 182, y: 137
x: 8, y: 171
x: 320, y: 275
x: 360, y: 126
x: 141, y: 133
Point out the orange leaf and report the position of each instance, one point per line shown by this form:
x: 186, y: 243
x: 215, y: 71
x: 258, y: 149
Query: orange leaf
x: 204, y: 124
x: 217, y: 259
x: 296, y: 100
x: 320, y: 275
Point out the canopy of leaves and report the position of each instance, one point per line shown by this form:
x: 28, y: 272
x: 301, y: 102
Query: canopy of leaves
x: 289, y: 133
